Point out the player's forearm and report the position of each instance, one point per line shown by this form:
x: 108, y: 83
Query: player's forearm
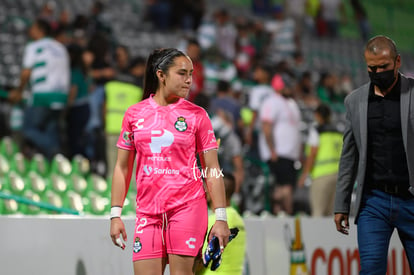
x: 24, y: 79
x: 120, y: 186
x: 216, y: 191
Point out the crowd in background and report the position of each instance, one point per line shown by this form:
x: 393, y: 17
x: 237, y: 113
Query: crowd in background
x: 250, y: 74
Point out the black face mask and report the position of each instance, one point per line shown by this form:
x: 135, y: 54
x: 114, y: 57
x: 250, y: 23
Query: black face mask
x: 383, y: 80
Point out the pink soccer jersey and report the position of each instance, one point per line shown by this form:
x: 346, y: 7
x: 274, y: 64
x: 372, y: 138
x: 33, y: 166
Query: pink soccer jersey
x: 166, y: 140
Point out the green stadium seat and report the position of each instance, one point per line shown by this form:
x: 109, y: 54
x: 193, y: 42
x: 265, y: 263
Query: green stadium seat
x: 8, y: 147
x: 4, y: 166
x: 74, y: 201
x: 54, y: 199
x: 98, y: 205
x: 15, y: 183
x: 99, y: 185
x: 19, y: 164
x: 9, y: 207
x: 81, y: 165
x: 58, y: 184
x: 39, y: 164
x: 37, y: 183
x: 61, y: 165
x: 31, y: 209
x: 79, y: 184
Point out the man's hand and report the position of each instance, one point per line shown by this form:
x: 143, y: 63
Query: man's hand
x: 342, y: 223
x: 15, y: 96
x: 118, y: 230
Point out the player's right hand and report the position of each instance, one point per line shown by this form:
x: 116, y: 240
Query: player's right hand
x: 342, y: 223
x: 118, y: 233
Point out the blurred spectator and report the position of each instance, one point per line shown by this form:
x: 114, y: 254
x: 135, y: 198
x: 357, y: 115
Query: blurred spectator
x: 193, y: 50
x: 361, y: 17
x: 295, y: 9
x: 306, y: 98
x: 119, y: 95
x: 47, y: 13
x: 322, y: 161
x: 230, y: 149
x: 225, y: 101
x: 245, y: 51
x: 101, y: 73
x: 79, y: 30
x: 312, y: 11
x: 332, y: 13
x: 261, y: 7
x: 226, y: 34
x: 284, y: 40
x: 96, y: 21
x: 46, y: 69
x: 260, y: 39
x: 159, y: 13
x: 258, y: 94
x: 122, y: 64
x: 78, y: 101
x: 326, y: 88
x: 216, y: 68
x: 280, y: 144
x: 187, y: 14
x: 137, y: 70
x: 298, y: 65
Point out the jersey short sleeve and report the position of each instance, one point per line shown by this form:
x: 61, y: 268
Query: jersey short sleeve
x: 126, y: 137
x: 313, y: 137
x: 205, y: 138
x: 268, y: 111
x: 28, y: 57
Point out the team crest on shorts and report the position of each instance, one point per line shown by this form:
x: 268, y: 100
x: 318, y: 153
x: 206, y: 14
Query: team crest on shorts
x: 137, y: 245
x: 180, y: 124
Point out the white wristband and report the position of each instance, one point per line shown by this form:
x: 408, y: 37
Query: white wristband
x: 116, y: 212
x: 221, y: 214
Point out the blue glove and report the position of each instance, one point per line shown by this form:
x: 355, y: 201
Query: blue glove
x: 213, y: 251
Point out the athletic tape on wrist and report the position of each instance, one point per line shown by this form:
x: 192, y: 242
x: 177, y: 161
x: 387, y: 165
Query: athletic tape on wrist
x: 116, y: 212
x: 221, y: 214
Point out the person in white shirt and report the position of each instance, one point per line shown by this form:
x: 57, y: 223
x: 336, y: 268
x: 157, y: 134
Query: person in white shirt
x: 280, y: 143
x: 46, y: 68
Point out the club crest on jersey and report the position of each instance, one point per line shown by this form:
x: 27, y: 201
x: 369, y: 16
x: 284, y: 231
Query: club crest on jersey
x: 180, y: 124
x: 128, y: 137
x: 137, y: 245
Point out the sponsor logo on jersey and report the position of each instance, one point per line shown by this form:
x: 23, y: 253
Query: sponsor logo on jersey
x: 190, y: 242
x: 160, y: 171
x: 147, y: 170
x: 180, y: 124
x: 159, y: 139
x: 159, y: 158
x: 139, y: 123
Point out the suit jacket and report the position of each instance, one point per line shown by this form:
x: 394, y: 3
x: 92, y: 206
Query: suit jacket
x: 353, y: 160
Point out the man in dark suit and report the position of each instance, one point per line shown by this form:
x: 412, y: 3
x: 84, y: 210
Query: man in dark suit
x: 378, y: 159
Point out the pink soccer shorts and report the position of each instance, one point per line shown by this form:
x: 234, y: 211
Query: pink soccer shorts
x: 180, y: 231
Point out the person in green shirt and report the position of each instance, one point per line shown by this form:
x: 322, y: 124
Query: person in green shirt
x: 233, y: 256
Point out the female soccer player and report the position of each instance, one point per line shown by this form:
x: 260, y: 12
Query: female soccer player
x: 164, y: 133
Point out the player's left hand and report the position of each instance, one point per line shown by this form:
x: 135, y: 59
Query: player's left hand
x: 221, y: 230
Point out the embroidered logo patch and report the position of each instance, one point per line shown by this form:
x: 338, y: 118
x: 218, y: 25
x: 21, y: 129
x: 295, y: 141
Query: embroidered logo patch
x: 137, y: 245
x: 180, y: 124
x: 128, y: 138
